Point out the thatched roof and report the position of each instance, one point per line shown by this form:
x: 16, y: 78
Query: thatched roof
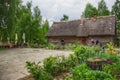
x: 104, y: 25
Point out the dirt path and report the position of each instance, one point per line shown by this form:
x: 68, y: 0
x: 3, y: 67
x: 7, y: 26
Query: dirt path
x: 12, y: 62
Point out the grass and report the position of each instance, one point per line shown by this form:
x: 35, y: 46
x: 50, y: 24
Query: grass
x: 3, y: 49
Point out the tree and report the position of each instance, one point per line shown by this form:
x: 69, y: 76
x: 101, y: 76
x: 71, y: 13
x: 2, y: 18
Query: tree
x: 19, y: 19
x: 89, y: 11
x: 103, y: 9
x: 7, y: 18
x: 30, y: 23
x: 45, y: 28
x: 116, y: 11
x: 65, y: 17
x: 36, y: 25
x: 24, y: 21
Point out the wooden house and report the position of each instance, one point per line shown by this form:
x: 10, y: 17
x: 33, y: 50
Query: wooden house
x: 102, y: 29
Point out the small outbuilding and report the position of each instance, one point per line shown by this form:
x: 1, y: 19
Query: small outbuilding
x: 100, y: 29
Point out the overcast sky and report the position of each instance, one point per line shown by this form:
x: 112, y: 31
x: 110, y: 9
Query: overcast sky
x: 53, y: 10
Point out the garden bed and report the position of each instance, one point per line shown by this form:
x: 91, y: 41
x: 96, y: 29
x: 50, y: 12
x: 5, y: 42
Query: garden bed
x: 78, y: 66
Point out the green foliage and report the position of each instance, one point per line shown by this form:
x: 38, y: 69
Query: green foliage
x: 63, y: 63
x: 51, y: 65
x: 72, y: 60
x: 113, y: 69
x: 18, y: 19
x: 89, y: 11
x: 34, y: 45
x: 78, y: 72
x: 31, y: 24
x: 103, y: 9
x: 84, y: 52
x: 71, y: 46
x: 118, y: 28
x: 110, y: 45
x: 98, y: 75
x: 68, y: 78
x: 45, y: 28
x: 65, y: 17
x: 51, y: 46
x: 7, y: 18
x: 55, y: 65
x: 77, y: 63
x: 116, y: 9
x: 37, y: 71
x: 82, y: 72
x: 113, y: 57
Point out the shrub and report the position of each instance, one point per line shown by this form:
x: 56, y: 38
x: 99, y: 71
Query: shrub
x: 113, y: 57
x: 63, y: 63
x: 51, y: 46
x: 34, y: 45
x: 51, y: 65
x: 113, y: 69
x: 85, y: 52
x: 110, y: 45
x: 97, y: 75
x: 55, y: 65
x: 78, y: 71
x: 72, y: 60
x: 69, y: 46
x: 37, y: 72
x: 82, y: 72
x: 72, y: 46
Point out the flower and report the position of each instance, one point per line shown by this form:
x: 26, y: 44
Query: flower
x: 111, y: 51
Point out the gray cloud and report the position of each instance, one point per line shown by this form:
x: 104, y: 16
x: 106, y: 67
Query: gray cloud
x: 53, y: 10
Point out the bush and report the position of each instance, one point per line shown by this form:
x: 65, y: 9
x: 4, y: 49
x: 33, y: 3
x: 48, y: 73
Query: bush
x: 37, y: 72
x: 55, y: 65
x: 51, y: 65
x: 72, y: 60
x: 85, y: 52
x: 82, y: 72
x: 110, y: 57
x: 78, y: 71
x: 97, y: 75
x: 34, y: 46
x: 113, y: 69
x: 72, y: 46
x: 63, y: 63
x: 51, y: 46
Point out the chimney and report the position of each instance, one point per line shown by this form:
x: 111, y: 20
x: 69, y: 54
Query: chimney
x: 82, y: 20
x: 94, y: 17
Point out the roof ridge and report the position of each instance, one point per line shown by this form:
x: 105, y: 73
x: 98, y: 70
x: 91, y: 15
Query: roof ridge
x: 100, y: 17
x: 67, y: 21
x: 84, y: 19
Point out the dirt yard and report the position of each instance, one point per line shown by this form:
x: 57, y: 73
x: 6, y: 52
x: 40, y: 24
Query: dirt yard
x: 12, y: 61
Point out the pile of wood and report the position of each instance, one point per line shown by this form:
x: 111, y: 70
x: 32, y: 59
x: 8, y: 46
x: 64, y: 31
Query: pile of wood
x: 7, y: 45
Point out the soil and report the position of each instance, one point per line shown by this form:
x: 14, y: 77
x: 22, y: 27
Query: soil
x: 29, y: 77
